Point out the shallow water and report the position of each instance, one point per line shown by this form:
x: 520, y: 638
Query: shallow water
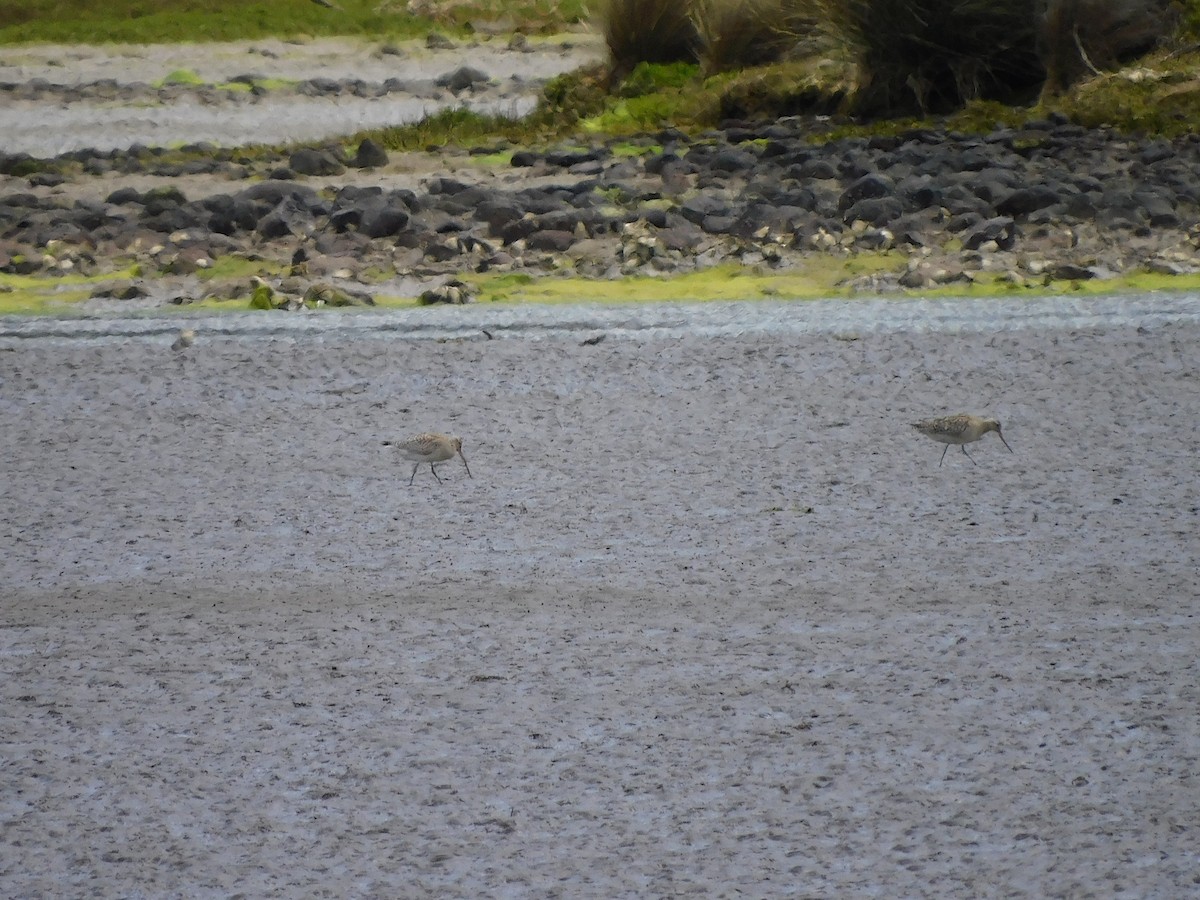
x: 833, y: 316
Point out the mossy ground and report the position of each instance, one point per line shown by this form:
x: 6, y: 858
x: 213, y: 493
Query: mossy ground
x: 42, y: 294
x: 819, y: 277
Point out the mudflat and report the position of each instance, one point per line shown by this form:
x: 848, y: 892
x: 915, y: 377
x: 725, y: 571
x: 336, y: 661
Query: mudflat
x: 709, y: 618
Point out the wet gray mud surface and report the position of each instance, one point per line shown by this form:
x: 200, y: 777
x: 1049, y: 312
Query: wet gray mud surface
x: 708, y: 619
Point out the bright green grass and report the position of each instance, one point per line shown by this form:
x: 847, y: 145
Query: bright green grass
x: 40, y: 294
x: 181, y: 76
x: 818, y: 278
x: 234, y: 267
x: 166, y: 21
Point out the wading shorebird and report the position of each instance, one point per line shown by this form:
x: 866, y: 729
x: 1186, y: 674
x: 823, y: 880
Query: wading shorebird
x: 430, y: 448
x: 961, y: 429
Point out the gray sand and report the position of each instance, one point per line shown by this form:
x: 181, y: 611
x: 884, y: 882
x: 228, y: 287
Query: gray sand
x: 49, y: 129
x: 708, y: 619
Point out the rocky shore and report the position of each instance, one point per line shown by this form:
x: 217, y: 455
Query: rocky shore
x: 1023, y: 206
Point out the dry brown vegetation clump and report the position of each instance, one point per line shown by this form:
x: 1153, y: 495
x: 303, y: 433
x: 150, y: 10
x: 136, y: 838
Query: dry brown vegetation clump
x: 737, y: 34
x: 651, y: 31
x: 1080, y: 38
x: 909, y: 56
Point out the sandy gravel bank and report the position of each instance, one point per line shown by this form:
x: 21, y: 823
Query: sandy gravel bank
x: 709, y: 618
x: 48, y: 128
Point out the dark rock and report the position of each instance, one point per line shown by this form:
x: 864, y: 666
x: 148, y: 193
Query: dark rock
x: 498, y: 213
x: 1079, y: 206
x: 680, y: 235
x: 718, y: 224
x: 370, y: 155
x: 567, y: 159
x: 875, y: 210
x: 1071, y: 272
x: 121, y: 290
x: 819, y: 169
x: 157, y: 199
x: 1156, y: 152
x: 962, y: 221
x: 170, y: 219
x: 920, y: 192
x: 384, y: 220
x: 516, y: 230
x: 550, y: 241
x: 316, y: 87
x: 91, y: 216
x: 272, y: 192
x: 290, y: 217
x: 544, y: 200
x: 46, y: 179
x: 1159, y: 210
x: 1001, y: 229
x: 696, y: 209
x: 441, y: 249
x: 307, y: 161
x: 734, y: 160
x: 523, y: 159
x: 462, y: 79
x: 447, y: 186
x: 229, y: 214
x: 29, y: 201
x: 1025, y: 200
x: 869, y: 186
x: 462, y: 203
x: 657, y: 162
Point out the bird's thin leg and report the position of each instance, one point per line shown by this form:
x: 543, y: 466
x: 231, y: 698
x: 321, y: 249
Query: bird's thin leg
x: 435, y: 474
x: 414, y: 475
x: 943, y: 458
x: 968, y: 455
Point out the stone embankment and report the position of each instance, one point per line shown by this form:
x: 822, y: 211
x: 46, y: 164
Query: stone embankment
x: 1048, y: 200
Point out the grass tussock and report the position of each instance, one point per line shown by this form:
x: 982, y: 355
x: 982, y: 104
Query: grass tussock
x: 647, y: 31
x: 935, y: 55
x: 1160, y: 95
x: 1080, y: 38
x: 911, y: 57
x: 738, y: 34
x: 793, y: 88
